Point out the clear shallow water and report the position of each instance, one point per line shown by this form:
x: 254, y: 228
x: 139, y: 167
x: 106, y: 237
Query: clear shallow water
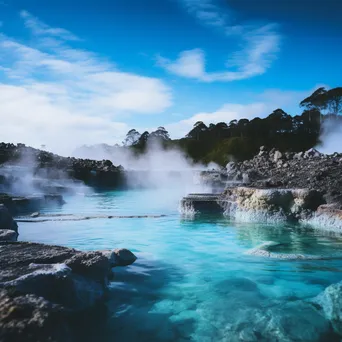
x: 192, y: 280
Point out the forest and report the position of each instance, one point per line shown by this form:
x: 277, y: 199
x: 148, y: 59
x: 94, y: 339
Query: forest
x: 241, y: 139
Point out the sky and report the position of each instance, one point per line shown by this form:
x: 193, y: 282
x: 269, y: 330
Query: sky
x: 85, y: 72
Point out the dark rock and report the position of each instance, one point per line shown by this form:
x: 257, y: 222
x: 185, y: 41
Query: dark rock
x: 6, y: 220
x: 29, y: 318
x: 74, y: 282
x: 91, y: 264
x: 122, y: 257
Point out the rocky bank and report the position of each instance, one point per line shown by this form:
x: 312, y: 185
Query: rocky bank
x: 47, y: 292
x: 274, y: 186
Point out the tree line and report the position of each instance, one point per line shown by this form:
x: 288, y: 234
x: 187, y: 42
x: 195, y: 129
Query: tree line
x: 241, y: 139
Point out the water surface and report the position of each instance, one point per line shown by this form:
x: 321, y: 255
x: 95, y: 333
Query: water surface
x: 192, y: 280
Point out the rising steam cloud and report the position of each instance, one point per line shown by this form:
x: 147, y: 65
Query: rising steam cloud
x: 331, y: 137
x: 170, y: 173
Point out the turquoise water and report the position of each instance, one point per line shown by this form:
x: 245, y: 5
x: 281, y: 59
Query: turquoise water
x: 192, y: 280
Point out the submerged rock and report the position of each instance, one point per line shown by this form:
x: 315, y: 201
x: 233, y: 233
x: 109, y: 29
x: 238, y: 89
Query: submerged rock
x: 331, y: 303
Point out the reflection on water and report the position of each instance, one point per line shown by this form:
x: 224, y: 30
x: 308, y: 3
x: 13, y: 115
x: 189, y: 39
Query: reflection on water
x: 192, y: 280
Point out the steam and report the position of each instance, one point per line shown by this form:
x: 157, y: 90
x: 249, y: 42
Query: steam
x: 22, y: 177
x: 169, y: 173
x: 331, y: 136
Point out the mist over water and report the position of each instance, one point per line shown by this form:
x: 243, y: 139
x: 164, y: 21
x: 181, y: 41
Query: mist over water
x: 23, y: 177
x: 168, y: 172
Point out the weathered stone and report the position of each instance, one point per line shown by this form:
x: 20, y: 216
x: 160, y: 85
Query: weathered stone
x: 74, y: 279
x: 29, y: 318
x: 122, y: 257
x: 8, y: 235
x: 277, y: 155
x: 91, y: 264
x: 260, y: 204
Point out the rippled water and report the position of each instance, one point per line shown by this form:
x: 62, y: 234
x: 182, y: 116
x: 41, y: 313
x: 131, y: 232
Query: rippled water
x: 192, y: 280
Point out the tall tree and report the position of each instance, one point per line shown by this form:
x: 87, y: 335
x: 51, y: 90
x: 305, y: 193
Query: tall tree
x: 334, y: 100
x: 161, y: 133
x: 132, y: 137
x: 317, y: 100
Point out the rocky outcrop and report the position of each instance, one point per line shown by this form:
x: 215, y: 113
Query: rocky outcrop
x: 260, y: 205
x: 274, y: 169
x: 328, y: 216
x: 47, y: 165
x: 200, y: 203
x: 27, y: 204
x: 8, y: 227
x: 42, y: 278
x: 6, y: 220
x: 8, y: 235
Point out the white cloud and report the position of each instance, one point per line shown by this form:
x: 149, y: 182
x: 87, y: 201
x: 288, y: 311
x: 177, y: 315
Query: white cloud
x: 53, y: 94
x: 261, y: 44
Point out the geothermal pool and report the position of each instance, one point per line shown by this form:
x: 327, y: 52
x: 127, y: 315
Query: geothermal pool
x: 192, y: 280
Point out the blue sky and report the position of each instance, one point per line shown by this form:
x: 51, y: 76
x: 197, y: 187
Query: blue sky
x: 75, y: 72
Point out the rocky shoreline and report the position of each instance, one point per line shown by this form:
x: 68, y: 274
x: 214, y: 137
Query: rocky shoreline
x: 303, y: 187
x: 47, y: 291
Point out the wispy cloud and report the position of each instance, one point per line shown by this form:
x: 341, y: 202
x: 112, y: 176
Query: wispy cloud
x: 39, y: 28
x: 60, y: 96
x: 260, y: 46
x: 206, y: 11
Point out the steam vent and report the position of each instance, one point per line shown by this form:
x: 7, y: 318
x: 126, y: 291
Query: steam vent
x: 203, y: 203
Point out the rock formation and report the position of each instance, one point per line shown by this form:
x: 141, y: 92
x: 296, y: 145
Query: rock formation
x: 50, y: 285
x: 46, y: 165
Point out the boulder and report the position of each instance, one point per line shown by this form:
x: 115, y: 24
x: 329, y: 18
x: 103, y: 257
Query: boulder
x: 120, y: 257
x: 6, y: 220
x: 277, y: 155
x: 74, y: 279
x: 8, y: 235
